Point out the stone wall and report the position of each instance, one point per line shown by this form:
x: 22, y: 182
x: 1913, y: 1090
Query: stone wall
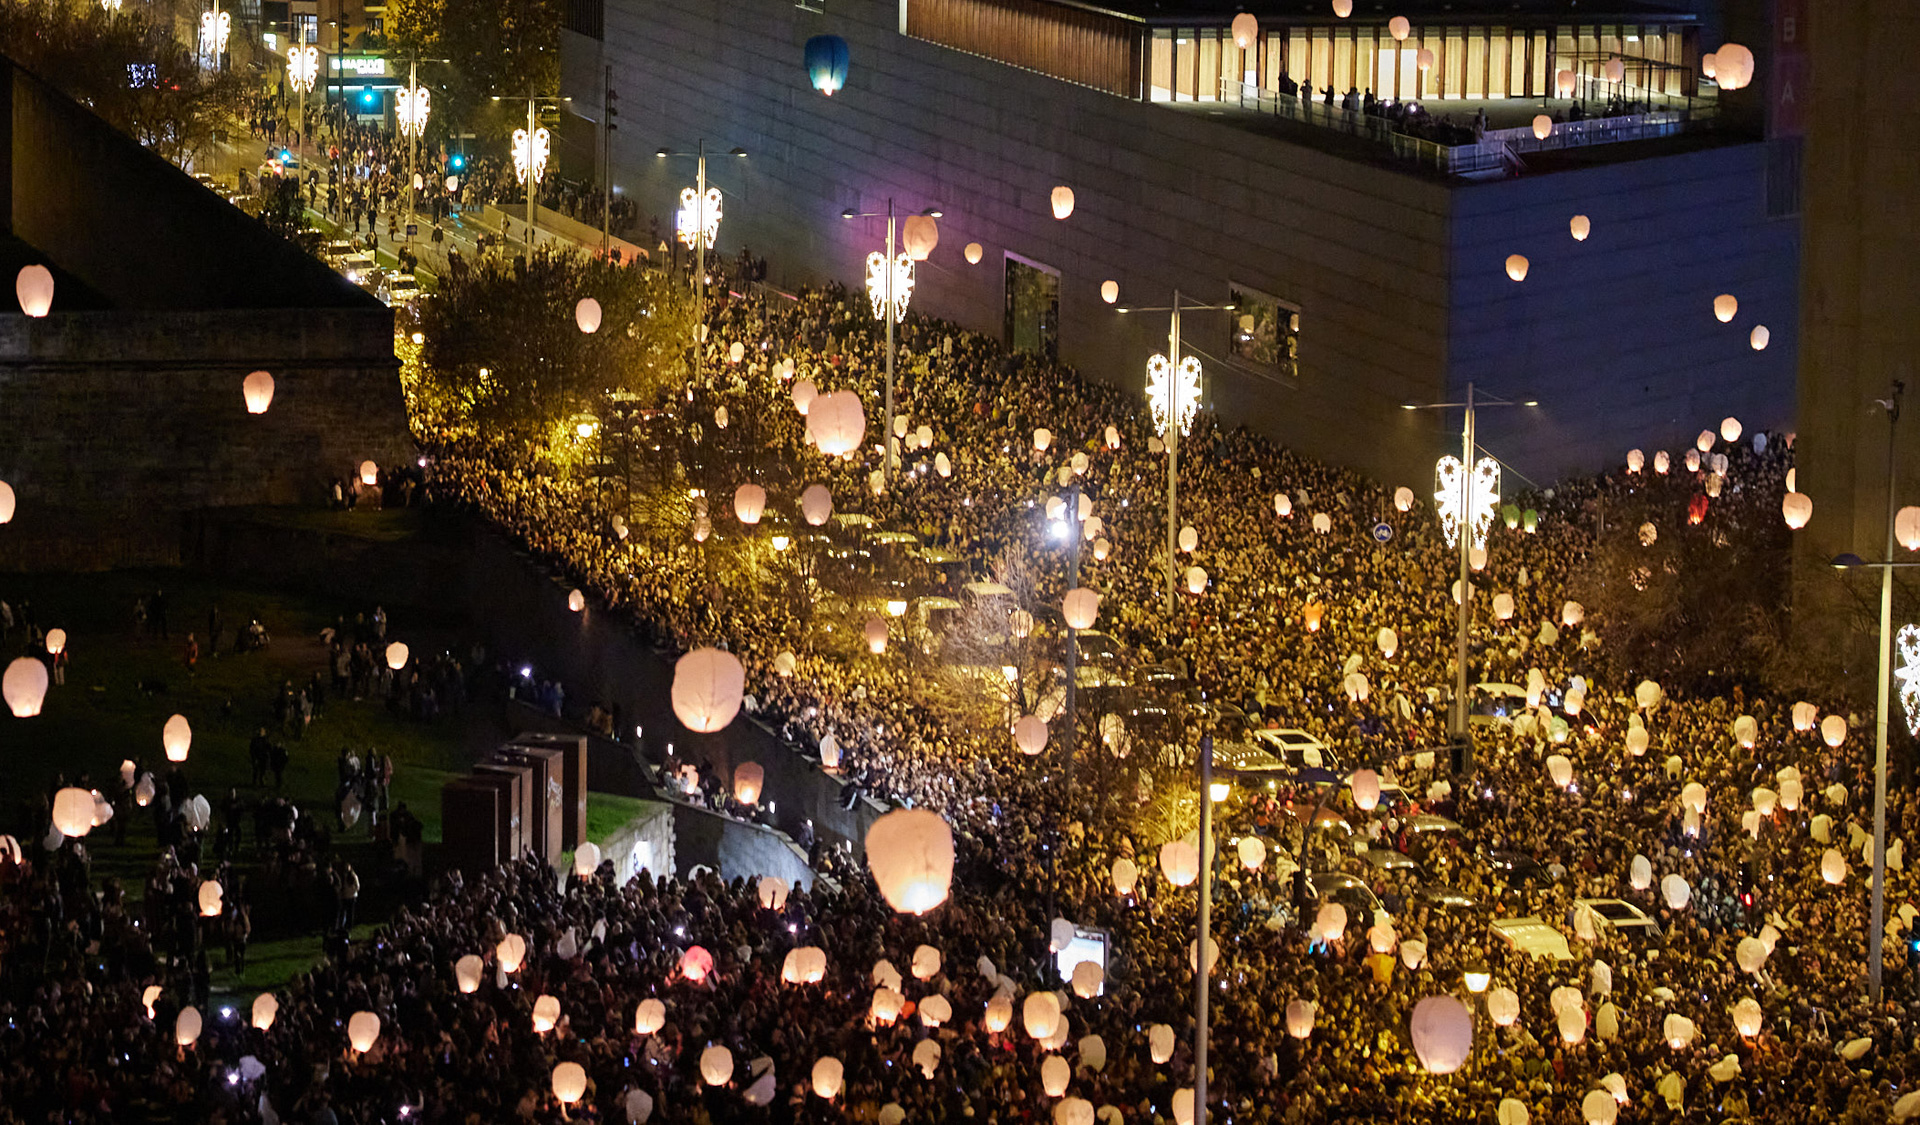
x: 644, y: 843
x: 124, y: 421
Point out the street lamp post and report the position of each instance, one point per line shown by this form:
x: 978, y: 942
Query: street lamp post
x: 1876, y: 924
x: 303, y: 67
x: 699, y: 221
x: 415, y: 103
x: 890, y: 287
x: 1204, y: 923
x: 1478, y: 492
x: 1173, y: 393
x: 531, y: 146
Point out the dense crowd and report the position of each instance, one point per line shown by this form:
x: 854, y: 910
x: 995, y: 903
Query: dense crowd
x: 1288, y: 616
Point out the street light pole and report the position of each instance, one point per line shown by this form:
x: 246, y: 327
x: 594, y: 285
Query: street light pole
x: 1877, y: 924
x: 1205, y: 926
x: 533, y: 201
x: 886, y: 433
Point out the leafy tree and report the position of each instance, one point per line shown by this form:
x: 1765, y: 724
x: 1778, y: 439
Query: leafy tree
x: 502, y: 351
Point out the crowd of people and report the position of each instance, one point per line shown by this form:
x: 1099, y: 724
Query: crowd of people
x: 1290, y: 609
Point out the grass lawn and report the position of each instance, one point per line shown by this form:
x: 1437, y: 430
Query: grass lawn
x: 122, y: 687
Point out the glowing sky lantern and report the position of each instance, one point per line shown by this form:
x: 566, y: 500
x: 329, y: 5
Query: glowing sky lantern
x: 24, y: 686
x: 1061, y: 199
x: 649, y: 1016
x: 696, y: 964
x: 466, y: 973
x: 511, y: 952
x: 1125, y: 874
x: 910, y: 852
x: 1517, y: 266
x: 1442, y: 1032
x: 34, y: 287
x: 918, y: 236
x: 363, y: 1031
x: 1725, y: 307
x: 1542, y: 126
x: 749, y: 778
x: 569, y: 1082
x: 1732, y: 66
x: 1246, y: 30
x: 827, y: 58
x: 186, y: 1026
x: 1797, y: 509
x: 1399, y: 27
x: 586, y: 315
x: 1759, y: 338
x: 716, y: 1065
x: 1580, y: 227
x: 974, y: 252
x: 837, y: 422
x: 73, y: 811
x: 708, y: 685
x: 257, y: 390
x: 265, y: 1010
x: 828, y: 1077
x: 1109, y: 291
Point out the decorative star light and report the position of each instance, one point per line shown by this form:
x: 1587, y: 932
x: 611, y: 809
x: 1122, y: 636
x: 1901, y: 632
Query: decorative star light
x: 1182, y: 384
x: 693, y: 220
x: 303, y: 68
x: 214, y: 29
x: 1908, y: 673
x: 537, y: 159
x: 412, y: 107
x: 877, y: 284
x: 1486, y: 498
x: 110, y: 5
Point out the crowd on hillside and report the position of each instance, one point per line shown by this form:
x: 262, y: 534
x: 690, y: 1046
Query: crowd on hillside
x: 1286, y: 630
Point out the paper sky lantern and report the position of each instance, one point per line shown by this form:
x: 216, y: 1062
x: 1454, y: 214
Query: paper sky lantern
x: 1253, y: 852
x: 1572, y: 614
x: 716, y: 1065
x: 1329, y: 923
x: 816, y: 504
x: 363, y: 1031
x: 1040, y: 1015
x: 1580, y: 227
x: 837, y: 422
x: 1245, y: 29
x: 1833, y: 730
x: 1082, y: 607
x: 887, y: 1005
x: 1054, y: 1075
x: 1160, y: 1043
x: 586, y: 314
x: 1125, y: 874
x: 569, y: 1082
x: 6, y: 502
x: 910, y: 852
x: 828, y: 1076
x: 265, y: 1010
x: 708, y: 685
x: 1311, y: 614
x: 772, y: 889
x: 875, y: 632
x: 702, y: 527
x: 1042, y: 438
x: 369, y: 473
x: 1442, y: 1034
x: 1282, y: 505
x: 1797, y: 509
x: 1388, y: 642
x: 186, y: 1026
x: 1833, y: 866
x: 1599, y: 1108
x: 1322, y: 522
x: 73, y: 811
x: 999, y: 1014
x: 209, y: 898
x: 1677, y: 1030
x: 1640, y: 873
x: 649, y: 1016
x: 1343, y: 8
x: 257, y: 390
x: 696, y: 964
x: 1424, y: 59
x: 827, y: 59
x: 926, y: 1053
x: 1109, y: 291
x: 1030, y: 734
x: 1503, y: 606
x: 1560, y: 770
x: 546, y: 1014
x: 1196, y: 580
x: 1399, y: 28
x: 1503, y: 1006
x: 749, y: 503
x: 749, y: 778
x: 34, y: 287
x: 1732, y: 66
x: 1675, y: 890
x: 1758, y: 338
x: 829, y: 752
x: 1179, y: 862
x: 918, y: 236
x: 1062, y: 200
x: 24, y: 686
x: 1512, y: 1111
x: 1747, y: 1017
x: 1542, y: 126
x: 804, y: 392
x: 1661, y: 462
x: 1563, y: 84
x: 1636, y: 460
x: 942, y: 465
x: 1088, y: 979
x: 1366, y: 789
x: 466, y: 973
x: 974, y: 253
x: 1073, y: 1111
x: 1403, y: 498
x: 1517, y: 266
x: 1906, y: 528
x: 1725, y: 307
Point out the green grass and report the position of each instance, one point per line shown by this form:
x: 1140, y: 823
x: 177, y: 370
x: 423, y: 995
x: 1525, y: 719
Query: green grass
x: 608, y: 813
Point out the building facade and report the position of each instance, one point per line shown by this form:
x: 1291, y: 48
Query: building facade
x: 1369, y: 259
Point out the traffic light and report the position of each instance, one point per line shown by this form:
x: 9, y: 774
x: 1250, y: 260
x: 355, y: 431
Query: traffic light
x: 613, y: 107
x: 458, y: 161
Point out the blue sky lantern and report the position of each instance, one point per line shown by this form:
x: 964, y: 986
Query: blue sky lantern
x: 827, y: 63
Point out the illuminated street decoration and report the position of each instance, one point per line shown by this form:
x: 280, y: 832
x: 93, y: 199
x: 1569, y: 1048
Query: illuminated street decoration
x: 303, y: 68
x: 523, y: 162
x: 413, y: 106
x: 215, y: 26
x: 1183, y: 385
x: 110, y: 5
x: 692, y: 217
x: 877, y: 284
x: 1486, y: 498
x: 1908, y: 673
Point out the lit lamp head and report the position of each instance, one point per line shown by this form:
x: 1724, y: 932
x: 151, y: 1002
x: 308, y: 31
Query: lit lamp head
x: 1220, y: 790
x: 1477, y: 979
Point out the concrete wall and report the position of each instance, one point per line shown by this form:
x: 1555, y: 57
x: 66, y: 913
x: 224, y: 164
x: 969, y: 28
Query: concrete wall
x: 122, y: 422
x: 734, y: 848
x: 644, y: 843
x: 1398, y: 275
x: 1615, y: 336
x: 1164, y: 199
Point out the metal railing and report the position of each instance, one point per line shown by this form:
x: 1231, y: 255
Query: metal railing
x: 1497, y: 150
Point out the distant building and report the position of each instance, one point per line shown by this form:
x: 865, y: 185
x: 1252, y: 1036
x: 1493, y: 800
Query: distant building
x: 124, y: 406
x: 1367, y: 252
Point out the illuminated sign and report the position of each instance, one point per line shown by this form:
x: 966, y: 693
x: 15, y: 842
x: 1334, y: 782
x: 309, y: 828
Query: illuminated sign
x: 362, y: 65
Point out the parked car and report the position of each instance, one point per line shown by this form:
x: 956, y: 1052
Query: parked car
x: 1517, y: 868
x: 1622, y: 918
x: 399, y: 288
x: 1532, y: 936
x: 1298, y: 749
x: 1335, y: 886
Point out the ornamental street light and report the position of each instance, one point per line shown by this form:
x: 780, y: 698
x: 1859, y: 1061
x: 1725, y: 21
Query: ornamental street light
x: 215, y: 26
x: 531, y: 147
x: 1466, y: 498
x: 1173, y: 394
x: 890, y: 288
x: 411, y: 108
x: 303, y: 70
x: 698, y: 222
x: 1876, y: 925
